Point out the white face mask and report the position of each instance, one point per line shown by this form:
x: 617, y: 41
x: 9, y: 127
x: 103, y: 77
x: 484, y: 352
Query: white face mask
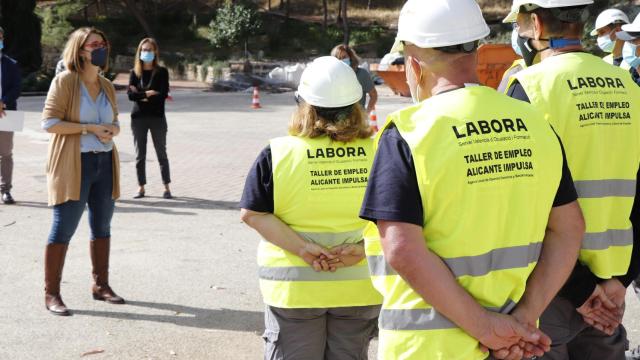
x: 415, y: 96
x: 514, y: 42
x: 605, y: 43
x: 629, y: 54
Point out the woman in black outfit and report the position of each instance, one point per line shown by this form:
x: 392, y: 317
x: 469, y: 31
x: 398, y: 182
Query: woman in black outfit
x: 148, y: 89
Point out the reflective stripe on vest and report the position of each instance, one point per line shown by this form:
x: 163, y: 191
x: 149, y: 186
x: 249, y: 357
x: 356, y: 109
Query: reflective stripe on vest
x: 594, y: 109
x: 606, y: 239
x: 306, y: 273
x: 318, y: 188
x: 605, y: 188
x: 497, y: 259
x: 425, y: 319
x: 329, y: 240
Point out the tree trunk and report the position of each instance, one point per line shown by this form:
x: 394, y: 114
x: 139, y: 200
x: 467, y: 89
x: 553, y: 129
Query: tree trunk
x: 269, y: 5
x: 339, y: 18
x: 326, y: 15
x: 287, y: 10
x: 345, y: 22
x: 131, y: 5
x: 369, y: 5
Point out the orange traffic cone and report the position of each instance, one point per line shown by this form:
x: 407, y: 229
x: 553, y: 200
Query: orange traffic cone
x: 256, y: 98
x: 373, y: 121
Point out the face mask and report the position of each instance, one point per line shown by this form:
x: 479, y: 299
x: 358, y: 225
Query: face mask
x: 147, y: 56
x: 629, y: 54
x: 528, y: 52
x: 347, y: 61
x: 514, y: 42
x: 1, y: 44
x: 605, y: 43
x: 99, y: 57
x: 415, y: 97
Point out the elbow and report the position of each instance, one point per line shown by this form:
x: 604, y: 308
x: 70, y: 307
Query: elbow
x: 397, y: 255
x: 249, y: 217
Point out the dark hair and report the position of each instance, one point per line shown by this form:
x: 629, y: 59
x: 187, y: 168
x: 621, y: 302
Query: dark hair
x: 557, y: 22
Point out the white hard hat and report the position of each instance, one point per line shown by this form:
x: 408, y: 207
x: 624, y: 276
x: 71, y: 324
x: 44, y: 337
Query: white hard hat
x: 634, y: 27
x: 548, y: 4
x: 609, y: 16
x: 439, y: 23
x: 330, y: 83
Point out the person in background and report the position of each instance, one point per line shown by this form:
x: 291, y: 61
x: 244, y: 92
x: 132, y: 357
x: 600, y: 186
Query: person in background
x: 631, y: 50
x: 9, y: 93
x: 148, y: 89
x: 302, y: 195
x: 60, y: 66
x: 603, y: 152
x: 608, y: 24
x: 349, y: 57
x: 83, y: 166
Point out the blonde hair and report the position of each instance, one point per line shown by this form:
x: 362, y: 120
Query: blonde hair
x: 137, y: 65
x: 71, y: 55
x: 307, y: 122
x: 343, y: 51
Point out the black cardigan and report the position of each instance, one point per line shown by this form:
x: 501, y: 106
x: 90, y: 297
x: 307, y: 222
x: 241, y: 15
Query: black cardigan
x: 157, y: 80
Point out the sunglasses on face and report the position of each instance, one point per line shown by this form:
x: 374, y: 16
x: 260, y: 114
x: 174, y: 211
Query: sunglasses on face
x: 95, y: 45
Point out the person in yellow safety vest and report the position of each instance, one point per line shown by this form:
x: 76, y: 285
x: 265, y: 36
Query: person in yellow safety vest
x: 608, y: 24
x: 477, y: 221
x: 631, y: 33
x: 595, y: 110
x: 517, y: 65
x: 302, y: 195
x: 630, y: 51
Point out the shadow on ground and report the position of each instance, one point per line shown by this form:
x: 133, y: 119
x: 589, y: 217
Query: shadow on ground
x: 158, y: 205
x: 220, y: 319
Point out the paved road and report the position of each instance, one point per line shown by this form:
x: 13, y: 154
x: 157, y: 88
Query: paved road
x: 186, y: 266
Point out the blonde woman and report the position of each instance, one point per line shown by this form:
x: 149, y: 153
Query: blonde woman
x: 148, y: 89
x: 83, y: 167
x: 347, y: 55
x: 303, y: 195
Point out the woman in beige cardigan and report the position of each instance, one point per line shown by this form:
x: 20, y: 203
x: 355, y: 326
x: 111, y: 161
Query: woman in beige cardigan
x: 83, y: 166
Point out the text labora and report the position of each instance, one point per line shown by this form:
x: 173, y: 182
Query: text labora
x: 487, y: 127
x: 340, y: 152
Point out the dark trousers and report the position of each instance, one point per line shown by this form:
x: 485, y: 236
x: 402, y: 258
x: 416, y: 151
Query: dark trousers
x: 573, y: 339
x: 6, y: 160
x: 158, y: 128
x: 96, y: 189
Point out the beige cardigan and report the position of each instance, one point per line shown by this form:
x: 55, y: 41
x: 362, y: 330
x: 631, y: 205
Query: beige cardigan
x: 64, y: 169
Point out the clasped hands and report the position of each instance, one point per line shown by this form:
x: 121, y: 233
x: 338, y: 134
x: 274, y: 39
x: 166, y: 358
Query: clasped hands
x: 603, y: 310
x: 331, y: 259
x: 104, y: 132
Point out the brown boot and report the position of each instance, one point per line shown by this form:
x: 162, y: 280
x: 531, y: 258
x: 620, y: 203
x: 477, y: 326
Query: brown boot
x: 100, y: 260
x: 54, y: 255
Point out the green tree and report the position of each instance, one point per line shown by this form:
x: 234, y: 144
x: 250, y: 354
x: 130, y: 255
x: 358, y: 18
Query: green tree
x: 55, y: 26
x: 233, y: 25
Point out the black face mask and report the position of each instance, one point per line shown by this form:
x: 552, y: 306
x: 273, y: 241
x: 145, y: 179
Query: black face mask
x: 528, y: 51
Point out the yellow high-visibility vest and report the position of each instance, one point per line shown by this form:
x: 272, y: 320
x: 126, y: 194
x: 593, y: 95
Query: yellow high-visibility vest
x: 488, y: 168
x: 318, y: 189
x: 516, y: 66
x: 594, y: 109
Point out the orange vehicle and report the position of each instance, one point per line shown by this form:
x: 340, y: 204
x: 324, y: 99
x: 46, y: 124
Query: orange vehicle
x: 493, y: 61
